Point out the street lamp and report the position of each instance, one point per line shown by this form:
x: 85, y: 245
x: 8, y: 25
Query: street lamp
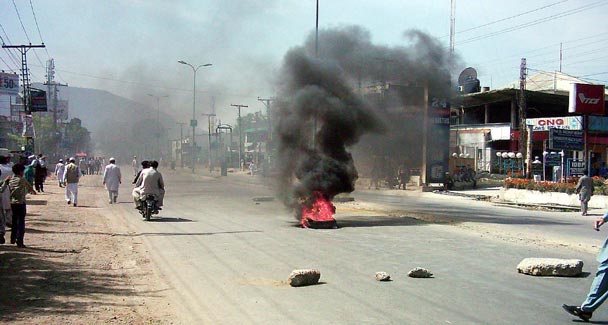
x: 209, y: 127
x: 158, y: 122
x: 499, y: 155
x: 193, y: 121
x: 561, y: 153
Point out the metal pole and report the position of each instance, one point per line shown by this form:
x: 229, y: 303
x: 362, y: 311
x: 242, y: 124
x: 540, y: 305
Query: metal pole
x: 209, y: 127
x: 193, y: 121
x: 240, y: 132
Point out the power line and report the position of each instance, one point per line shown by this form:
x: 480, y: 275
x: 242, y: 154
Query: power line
x: 11, y: 54
x: 25, y: 31
x: 527, y: 53
x: 38, y: 28
x: 511, y: 17
x: 535, y: 22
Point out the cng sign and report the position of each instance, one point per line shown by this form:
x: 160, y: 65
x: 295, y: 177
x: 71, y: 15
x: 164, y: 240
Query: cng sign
x: 587, y: 99
x: 546, y: 123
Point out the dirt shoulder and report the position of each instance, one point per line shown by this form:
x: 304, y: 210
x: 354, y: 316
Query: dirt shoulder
x: 81, y: 265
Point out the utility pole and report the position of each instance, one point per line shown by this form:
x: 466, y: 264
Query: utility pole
x: 240, y: 132
x: 158, y: 128
x: 25, y: 79
x: 523, y: 132
x: 181, y: 142
x: 267, y: 102
x: 209, y: 129
x: 50, y: 82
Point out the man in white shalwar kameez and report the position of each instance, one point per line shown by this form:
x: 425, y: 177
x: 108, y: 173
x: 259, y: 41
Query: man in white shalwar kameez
x: 5, y: 196
x: 150, y: 181
x: 59, y: 170
x: 111, y: 179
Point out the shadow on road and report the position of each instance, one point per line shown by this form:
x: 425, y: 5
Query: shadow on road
x: 34, y: 230
x: 33, y: 284
x: 169, y: 219
x: 377, y: 221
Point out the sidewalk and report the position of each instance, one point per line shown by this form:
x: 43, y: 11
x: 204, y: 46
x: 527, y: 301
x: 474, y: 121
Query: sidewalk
x: 79, y: 266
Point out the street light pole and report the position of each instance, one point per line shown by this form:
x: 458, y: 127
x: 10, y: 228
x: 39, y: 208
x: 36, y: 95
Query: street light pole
x: 193, y: 121
x: 209, y: 128
x: 240, y: 132
x: 159, y: 152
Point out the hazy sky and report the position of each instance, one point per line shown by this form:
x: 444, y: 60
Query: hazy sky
x: 131, y: 47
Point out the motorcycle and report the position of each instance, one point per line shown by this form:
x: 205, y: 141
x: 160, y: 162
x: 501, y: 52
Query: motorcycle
x: 148, y: 207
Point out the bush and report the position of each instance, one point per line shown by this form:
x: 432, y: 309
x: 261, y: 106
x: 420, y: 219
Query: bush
x: 528, y: 184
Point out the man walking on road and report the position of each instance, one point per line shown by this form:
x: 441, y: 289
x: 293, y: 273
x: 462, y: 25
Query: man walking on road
x: 584, y: 188
x: 111, y: 179
x: 599, y: 288
x: 70, y: 179
x: 19, y: 187
x: 134, y: 165
x: 59, y: 170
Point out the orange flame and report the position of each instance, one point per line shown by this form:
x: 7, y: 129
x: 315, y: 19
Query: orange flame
x: 322, y: 210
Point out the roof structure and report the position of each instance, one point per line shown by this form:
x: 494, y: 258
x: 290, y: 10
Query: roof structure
x: 549, y: 82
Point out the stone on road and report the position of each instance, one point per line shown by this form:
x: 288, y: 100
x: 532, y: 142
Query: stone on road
x: 299, y: 278
x: 419, y: 272
x: 550, y: 267
x: 383, y: 276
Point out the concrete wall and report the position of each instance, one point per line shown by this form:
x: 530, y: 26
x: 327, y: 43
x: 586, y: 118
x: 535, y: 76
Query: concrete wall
x: 536, y: 197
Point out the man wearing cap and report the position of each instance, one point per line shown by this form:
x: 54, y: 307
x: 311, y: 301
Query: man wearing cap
x: 70, y: 179
x: 111, y: 179
x: 59, y: 171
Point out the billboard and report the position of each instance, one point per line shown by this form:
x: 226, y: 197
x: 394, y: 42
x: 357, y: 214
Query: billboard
x: 560, y: 139
x: 438, y: 140
x: 587, y: 99
x: 9, y: 84
x: 28, y: 127
x: 546, y: 123
x: 62, y: 109
x: 37, y: 100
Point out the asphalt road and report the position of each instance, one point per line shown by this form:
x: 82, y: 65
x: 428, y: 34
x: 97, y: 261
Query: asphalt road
x: 226, y: 258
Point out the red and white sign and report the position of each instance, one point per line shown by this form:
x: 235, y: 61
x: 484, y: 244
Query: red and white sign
x: 587, y: 99
x: 546, y: 123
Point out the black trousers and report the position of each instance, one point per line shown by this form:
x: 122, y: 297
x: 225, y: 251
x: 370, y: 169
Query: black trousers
x: 18, y: 226
x: 39, y: 184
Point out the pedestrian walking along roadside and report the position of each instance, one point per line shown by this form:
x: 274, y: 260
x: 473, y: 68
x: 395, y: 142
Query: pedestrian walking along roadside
x: 5, y: 197
x: 111, y: 179
x: 59, y: 170
x: 599, y: 288
x: 19, y: 187
x: 584, y: 188
x: 70, y: 178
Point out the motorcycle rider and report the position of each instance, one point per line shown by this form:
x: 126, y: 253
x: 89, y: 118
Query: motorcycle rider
x: 150, y: 181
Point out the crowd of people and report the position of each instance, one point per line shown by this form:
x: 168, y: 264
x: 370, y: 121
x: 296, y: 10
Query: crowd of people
x: 29, y: 174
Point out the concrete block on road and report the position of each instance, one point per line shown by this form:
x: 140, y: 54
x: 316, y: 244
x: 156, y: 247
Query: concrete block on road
x: 305, y: 277
x: 419, y: 272
x: 550, y: 267
x: 383, y: 276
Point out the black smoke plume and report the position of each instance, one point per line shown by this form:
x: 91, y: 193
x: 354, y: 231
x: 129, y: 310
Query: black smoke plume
x: 325, y: 90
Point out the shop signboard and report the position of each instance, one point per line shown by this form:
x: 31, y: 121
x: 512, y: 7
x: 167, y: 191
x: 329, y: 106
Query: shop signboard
x: 561, y: 139
x: 587, y: 99
x: 575, y: 167
x: 547, y: 123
